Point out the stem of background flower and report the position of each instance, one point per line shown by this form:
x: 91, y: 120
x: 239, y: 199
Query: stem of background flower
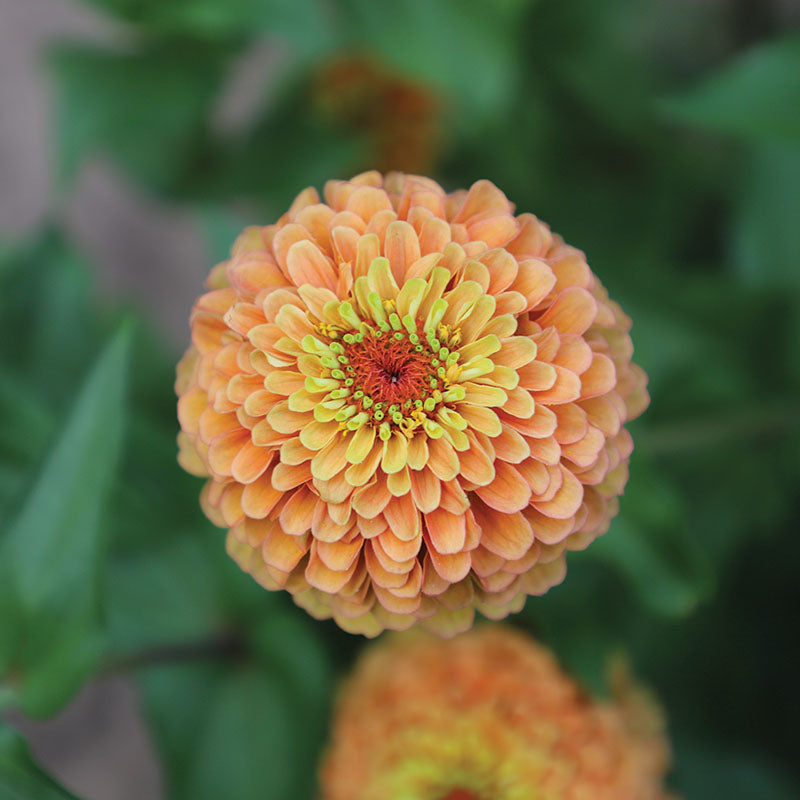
x: 719, y: 430
x: 222, y: 647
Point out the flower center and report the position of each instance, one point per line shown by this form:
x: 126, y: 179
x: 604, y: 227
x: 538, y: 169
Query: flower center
x: 460, y: 794
x: 393, y: 374
x: 391, y: 371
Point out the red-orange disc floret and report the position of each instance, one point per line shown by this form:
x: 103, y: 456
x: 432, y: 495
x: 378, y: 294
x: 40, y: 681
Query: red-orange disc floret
x: 408, y: 404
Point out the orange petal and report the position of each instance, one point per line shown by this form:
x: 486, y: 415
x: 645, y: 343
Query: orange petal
x: 508, y: 492
x: 370, y: 500
x: 322, y: 577
x: 401, y: 247
x: 282, y: 551
x: 509, y: 446
x: 476, y: 465
x: 549, y: 530
x: 331, y: 460
x: 573, y: 311
x: 305, y: 263
x: 572, y: 424
x: 566, y: 389
x: 402, y: 517
x: 224, y: 448
x: 260, y: 497
x: 584, y: 452
x: 536, y: 376
x: 426, y: 490
x: 443, y: 459
x: 399, y: 483
x: 600, y: 378
x: 446, y: 531
x: 480, y: 418
x: 506, y: 535
x: 520, y: 403
x: 546, y: 449
x: 399, y: 549
x: 452, y: 567
x: 250, y: 462
x: 567, y: 499
x: 286, y: 477
x: 536, y: 474
x: 534, y: 281
x: 338, y: 556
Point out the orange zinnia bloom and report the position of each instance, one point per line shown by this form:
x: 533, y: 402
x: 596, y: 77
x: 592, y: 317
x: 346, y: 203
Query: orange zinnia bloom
x: 486, y: 716
x: 408, y: 404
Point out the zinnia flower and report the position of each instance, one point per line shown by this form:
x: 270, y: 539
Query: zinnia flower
x: 408, y: 404
x: 486, y: 716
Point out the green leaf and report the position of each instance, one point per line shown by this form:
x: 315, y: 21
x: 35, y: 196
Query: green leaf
x: 20, y: 776
x: 146, y: 110
x: 765, y: 235
x: 755, y: 96
x: 50, y: 555
x: 180, y: 575
x: 451, y: 45
x: 650, y: 546
x: 303, y: 22
x: 249, y: 743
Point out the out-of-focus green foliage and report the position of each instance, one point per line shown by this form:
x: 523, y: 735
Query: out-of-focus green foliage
x: 663, y: 139
x: 20, y: 776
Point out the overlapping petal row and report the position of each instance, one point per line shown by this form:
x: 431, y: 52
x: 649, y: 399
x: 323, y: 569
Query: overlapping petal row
x: 487, y: 716
x: 408, y: 404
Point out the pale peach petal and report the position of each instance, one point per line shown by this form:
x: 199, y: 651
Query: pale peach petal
x: 502, y: 268
x: 282, y: 551
x: 482, y: 419
x: 509, y: 446
x: 260, y: 497
x: 370, y: 500
x: 338, y: 556
x: 452, y: 567
x: 298, y: 511
x: 572, y: 424
x: 322, y: 577
x: 403, y: 518
x: 446, y: 531
x: 567, y: 499
x: 399, y: 483
x: 508, y: 492
x: 286, y: 477
x: 520, y: 403
x: 401, y: 247
x: 506, y: 535
x: 534, y: 281
x: 566, y: 389
x: 600, y: 378
x: 359, y: 474
x: 331, y: 460
x: 224, y: 448
x: 250, y: 462
x: 547, y: 529
x: 573, y: 311
x: 400, y: 549
x: 443, y: 460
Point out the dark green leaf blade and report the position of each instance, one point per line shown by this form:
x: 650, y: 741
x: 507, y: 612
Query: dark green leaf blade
x: 755, y: 96
x: 50, y: 556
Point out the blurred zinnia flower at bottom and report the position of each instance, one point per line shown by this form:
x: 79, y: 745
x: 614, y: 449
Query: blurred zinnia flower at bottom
x: 487, y: 716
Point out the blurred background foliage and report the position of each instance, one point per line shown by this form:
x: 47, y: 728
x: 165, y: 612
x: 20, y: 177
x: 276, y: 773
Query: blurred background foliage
x: 661, y: 138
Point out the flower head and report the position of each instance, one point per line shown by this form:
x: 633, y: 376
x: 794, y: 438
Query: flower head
x: 408, y: 404
x: 486, y: 716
